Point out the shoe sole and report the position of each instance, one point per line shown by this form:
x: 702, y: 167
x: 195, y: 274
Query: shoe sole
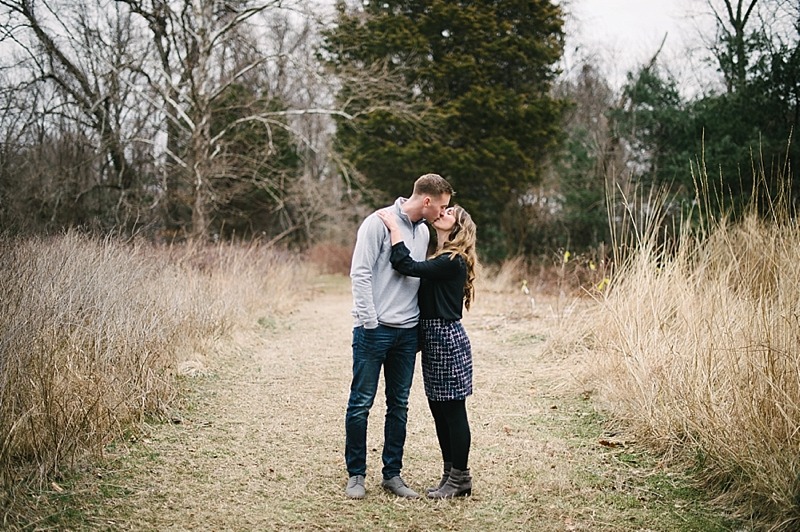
x: 389, y: 490
x: 465, y: 493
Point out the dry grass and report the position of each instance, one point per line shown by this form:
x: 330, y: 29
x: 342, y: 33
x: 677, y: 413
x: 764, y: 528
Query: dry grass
x: 259, y: 445
x: 330, y: 257
x: 94, y: 333
x: 697, y: 351
x: 564, y: 273
x: 257, y: 442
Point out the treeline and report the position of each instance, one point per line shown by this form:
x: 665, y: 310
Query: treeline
x: 283, y: 120
x: 170, y: 118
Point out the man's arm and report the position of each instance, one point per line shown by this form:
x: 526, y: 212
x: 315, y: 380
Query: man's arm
x: 365, y: 255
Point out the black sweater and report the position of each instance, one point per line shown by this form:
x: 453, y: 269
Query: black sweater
x: 441, y: 290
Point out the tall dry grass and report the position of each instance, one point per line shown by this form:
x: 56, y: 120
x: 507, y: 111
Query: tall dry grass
x: 92, y: 333
x: 697, y: 349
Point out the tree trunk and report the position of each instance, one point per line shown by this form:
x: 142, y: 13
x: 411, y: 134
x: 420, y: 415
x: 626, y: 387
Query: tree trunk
x: 736, y: 72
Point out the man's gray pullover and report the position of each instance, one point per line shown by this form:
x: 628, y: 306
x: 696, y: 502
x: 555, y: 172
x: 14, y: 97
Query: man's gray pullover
x: 380, y: 294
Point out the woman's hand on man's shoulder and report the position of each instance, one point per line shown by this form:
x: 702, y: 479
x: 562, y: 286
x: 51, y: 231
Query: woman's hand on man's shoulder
x: 388, y: 218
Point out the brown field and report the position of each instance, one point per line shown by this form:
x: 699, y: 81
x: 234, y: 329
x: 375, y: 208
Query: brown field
x: 204, y: 388
x: 258, y: 442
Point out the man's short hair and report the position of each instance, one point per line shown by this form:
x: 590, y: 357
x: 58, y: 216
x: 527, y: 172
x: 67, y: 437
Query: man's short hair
x: 432, y: 185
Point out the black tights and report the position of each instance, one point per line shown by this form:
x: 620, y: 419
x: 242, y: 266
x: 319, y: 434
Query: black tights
x: 452, y: 430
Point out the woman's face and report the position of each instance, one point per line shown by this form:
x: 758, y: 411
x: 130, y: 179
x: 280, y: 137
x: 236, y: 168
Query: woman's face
x: 446, y: 221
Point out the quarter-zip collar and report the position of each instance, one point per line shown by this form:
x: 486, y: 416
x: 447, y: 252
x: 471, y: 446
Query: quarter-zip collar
x: 403, y: 216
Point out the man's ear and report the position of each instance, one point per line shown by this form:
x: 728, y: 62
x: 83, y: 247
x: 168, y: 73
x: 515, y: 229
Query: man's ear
x: 426, y: 201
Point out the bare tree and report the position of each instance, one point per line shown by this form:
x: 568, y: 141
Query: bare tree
x: 730, y: 48
x: 200, y: 51
x: 81, y: 54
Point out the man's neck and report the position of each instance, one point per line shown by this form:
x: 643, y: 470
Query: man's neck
x: 412, y: 209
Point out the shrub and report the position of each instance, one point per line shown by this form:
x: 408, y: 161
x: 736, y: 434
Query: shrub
x: 696, y: 348
x: 92, y: 333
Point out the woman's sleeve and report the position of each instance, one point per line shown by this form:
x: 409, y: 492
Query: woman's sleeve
x: 440, y: 267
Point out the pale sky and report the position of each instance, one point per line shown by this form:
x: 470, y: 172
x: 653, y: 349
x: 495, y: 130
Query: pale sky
x: 622, y: 34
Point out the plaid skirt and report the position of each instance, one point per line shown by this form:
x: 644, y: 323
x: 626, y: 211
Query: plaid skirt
x: 446, y: 360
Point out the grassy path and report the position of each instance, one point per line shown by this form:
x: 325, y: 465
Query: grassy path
x: 259, y: 445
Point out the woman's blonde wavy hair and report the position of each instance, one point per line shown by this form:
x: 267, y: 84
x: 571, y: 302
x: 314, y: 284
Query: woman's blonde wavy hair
x: 461, y: 241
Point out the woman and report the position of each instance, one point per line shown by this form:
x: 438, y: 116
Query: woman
x: 447, y: 279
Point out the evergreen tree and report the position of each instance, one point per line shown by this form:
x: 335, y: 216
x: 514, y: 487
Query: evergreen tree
x: 742, y: 138
x: 477, y: 76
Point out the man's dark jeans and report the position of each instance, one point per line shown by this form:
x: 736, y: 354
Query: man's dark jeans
x: 396, y: 351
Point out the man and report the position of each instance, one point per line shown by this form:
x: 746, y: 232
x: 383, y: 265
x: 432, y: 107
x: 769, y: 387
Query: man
x: 385, y: 332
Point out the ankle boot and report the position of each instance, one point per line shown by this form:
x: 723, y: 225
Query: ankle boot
x: 445, y: 474
x: 459, y: 483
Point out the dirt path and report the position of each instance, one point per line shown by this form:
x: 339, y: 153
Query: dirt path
x: 260, y: 445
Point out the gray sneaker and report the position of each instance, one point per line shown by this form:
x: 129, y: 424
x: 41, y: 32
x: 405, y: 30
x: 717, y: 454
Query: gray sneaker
x: 397, y: 486
x: 355, y: 487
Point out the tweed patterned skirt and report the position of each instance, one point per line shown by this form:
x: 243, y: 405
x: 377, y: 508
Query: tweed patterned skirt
x: 446, y: 360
